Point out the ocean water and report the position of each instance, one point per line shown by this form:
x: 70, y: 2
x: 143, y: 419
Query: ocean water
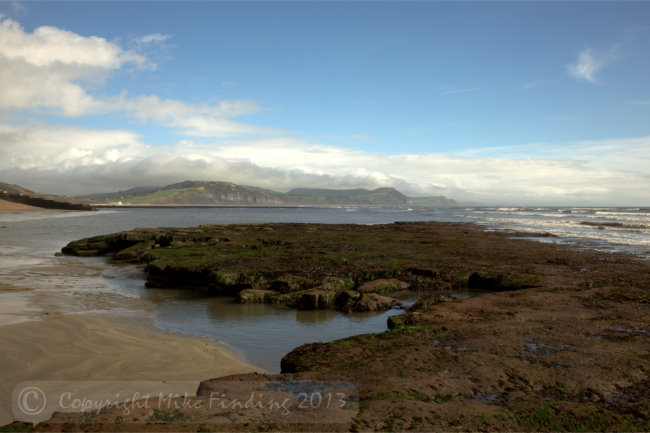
x: 605, y: 229
x: 33, y: 276
x: 613, y: 229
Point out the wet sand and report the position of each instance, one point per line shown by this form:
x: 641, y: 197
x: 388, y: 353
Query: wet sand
x: 54, y: 335
x: 90, y: 348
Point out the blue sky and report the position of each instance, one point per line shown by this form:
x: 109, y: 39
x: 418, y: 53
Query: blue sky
x: 495, y: 102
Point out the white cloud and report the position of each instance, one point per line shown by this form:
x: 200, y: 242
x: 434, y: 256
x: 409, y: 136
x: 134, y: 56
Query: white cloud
x: 202, y: 126
x: 52, y: 89
x: 586, y: 66
x: 156, y: 37
x: 49, y: 45
x: 589, y: 62
x: 47, y: 147
x: 41, y: 158
x: 357, y: 137
x: 626, y: 154
x: 200, y: 120
x: 17, y: 7
x: 533, y: 84
x: 458, y: 91
x: 47, y: 69
x: 51, y: 71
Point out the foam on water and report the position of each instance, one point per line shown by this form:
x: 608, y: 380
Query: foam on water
x: 607, y: 229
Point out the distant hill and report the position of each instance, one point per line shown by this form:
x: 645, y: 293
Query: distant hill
x: 193, y: 193
x: 437, y: 200
x: 212, y: 193
x: 15, y: 189
x: 380, y: 196
x: 18, y: 194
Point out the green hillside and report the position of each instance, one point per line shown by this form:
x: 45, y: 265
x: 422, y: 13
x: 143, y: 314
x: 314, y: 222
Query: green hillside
x: 212, y: 193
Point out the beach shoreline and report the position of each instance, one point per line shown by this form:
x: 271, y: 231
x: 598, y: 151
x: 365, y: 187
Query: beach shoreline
x: 93, y: 342
x: 89, y: 348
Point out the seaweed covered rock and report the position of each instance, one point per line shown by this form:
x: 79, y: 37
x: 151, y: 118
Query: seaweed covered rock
x: 374, y: 302
x: 312, y: 266
x: 570, y: 354
x: 383, y: 285
x: 247, y: 296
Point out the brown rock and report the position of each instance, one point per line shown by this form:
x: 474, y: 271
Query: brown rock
x: 383, y: 286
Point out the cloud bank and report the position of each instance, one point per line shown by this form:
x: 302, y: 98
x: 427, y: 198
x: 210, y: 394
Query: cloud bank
x: 41, y: 157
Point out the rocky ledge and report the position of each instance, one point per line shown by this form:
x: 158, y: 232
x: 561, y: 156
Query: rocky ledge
x: 562, y: 344
x: 308, y: 266
x: 311, y: 266
x: 568, y: 350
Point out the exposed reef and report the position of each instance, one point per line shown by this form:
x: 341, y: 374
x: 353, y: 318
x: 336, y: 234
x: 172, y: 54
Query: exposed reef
x: 309, y: 266
x: 561, y: 343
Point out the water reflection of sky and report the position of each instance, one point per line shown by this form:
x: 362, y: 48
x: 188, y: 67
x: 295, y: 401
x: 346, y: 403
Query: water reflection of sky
x: 262, y: 333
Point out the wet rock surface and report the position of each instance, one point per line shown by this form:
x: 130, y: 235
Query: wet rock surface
x: 308, y: 266
x: 554, y: 348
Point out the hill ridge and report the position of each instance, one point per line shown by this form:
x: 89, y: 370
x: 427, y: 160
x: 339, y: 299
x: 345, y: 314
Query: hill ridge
x: 217, y: 193
x: 223, y: 193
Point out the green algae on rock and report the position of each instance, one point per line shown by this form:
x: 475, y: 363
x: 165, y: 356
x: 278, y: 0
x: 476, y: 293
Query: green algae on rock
x: 570, y: 354
x: 306, y: 266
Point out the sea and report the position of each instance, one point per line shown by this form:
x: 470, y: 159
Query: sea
x: 34, y: 280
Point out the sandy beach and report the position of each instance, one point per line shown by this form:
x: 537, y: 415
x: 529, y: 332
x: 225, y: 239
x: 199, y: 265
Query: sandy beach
x: 41, y: 341
x: 92, y: 348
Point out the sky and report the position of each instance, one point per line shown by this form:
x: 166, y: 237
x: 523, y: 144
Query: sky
x: 513, y: 103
